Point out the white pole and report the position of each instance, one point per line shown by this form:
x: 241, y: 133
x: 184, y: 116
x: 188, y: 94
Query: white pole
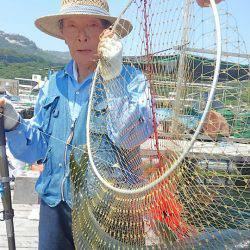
x: 181, y: 73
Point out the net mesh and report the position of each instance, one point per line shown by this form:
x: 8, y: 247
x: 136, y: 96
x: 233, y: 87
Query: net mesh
x: 169, y: 64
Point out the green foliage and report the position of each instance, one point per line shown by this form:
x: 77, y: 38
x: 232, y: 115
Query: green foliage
x: 11, y: 56
x: 25, y: 70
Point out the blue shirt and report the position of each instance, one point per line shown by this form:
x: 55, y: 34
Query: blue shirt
x: 77, y: 91
x: 59, y: 103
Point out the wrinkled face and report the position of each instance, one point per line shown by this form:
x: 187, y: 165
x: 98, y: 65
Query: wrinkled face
x: 81, y: 34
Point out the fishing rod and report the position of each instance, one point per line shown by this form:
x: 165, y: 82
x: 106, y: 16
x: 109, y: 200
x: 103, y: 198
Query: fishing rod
x: 8, y: 212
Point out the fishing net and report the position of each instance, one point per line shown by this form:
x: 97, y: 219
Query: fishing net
x: 158, y: 171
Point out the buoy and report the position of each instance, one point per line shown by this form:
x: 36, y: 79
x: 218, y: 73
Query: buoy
x: 206, y: 3
x: 37, y: 168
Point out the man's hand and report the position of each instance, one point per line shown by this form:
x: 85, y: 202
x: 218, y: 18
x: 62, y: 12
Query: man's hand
x: 215, y: 125
x: 11, y: 117
x: 110, y: 52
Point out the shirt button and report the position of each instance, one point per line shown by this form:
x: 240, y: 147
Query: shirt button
x: 77, y: 92
x: 141, y: 119
x: 60, y: 164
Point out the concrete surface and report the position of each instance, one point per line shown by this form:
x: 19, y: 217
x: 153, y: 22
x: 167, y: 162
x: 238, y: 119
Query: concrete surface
x: 26, y: 227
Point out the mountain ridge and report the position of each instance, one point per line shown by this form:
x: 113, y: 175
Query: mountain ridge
x: 22, y: 45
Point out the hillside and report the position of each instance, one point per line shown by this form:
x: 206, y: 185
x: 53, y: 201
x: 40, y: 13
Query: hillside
x: 20, y: 57
x: 11, y: 56
x: 23, y: 45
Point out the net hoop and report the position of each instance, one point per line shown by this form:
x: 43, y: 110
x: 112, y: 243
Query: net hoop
x: 197, y: 131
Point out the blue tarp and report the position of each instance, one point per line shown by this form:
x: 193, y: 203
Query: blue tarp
x: 165, y: 114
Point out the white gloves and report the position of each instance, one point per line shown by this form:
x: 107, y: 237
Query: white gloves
x: 11, y: 117
x: 111, y: 58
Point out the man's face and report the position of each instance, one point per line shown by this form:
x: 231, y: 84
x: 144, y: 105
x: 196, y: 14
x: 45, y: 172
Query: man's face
x: 81, y: 34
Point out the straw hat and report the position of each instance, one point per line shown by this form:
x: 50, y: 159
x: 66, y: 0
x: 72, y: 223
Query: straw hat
x: 94, y: 8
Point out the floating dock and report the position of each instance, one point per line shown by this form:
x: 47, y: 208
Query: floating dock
x: 224, y: 150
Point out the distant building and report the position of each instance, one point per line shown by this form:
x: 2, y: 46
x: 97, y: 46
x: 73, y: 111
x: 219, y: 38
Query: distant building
x: 9, y: 85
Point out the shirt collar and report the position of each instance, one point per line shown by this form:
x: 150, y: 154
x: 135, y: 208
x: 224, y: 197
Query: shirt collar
x: 75, y: 73
x: 71, y: 70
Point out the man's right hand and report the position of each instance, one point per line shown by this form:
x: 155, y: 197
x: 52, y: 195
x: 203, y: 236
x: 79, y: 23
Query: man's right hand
x: 110, y: 52
x: 11, y: 117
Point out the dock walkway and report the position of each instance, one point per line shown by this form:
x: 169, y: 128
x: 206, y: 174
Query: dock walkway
x: 26, y: 227
x: 210, y: 150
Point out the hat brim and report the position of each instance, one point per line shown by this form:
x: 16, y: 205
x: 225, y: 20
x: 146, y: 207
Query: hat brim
x: 50, y: 24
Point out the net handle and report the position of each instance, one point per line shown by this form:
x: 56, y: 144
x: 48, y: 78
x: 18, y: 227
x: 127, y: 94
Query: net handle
x: 203, y: 118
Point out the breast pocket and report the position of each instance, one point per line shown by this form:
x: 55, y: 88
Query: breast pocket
x: 51, y: 112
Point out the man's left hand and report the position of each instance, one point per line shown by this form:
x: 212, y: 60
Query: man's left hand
x: 110, y: 52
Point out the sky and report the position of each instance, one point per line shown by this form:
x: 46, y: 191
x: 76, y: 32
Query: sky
x: 18, y: 16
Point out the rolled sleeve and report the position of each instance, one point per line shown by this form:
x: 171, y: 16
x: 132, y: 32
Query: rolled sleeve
x: 27, y: 142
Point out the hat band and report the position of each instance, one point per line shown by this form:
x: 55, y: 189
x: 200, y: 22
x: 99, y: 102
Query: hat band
x: 84, y: 9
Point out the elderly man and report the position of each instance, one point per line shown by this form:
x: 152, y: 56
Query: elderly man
x: 60, y: 113
x: 61, y: 110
